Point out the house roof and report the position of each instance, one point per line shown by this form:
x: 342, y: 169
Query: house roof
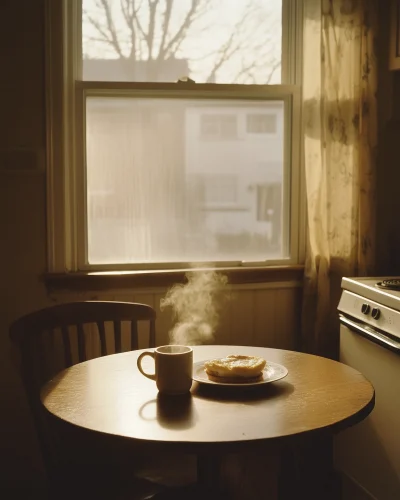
x: 127, y: 70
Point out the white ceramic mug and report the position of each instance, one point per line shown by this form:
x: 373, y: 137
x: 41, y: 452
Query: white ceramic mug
x: 173, y: 368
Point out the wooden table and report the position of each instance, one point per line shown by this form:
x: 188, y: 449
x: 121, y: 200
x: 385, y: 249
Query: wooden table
x: 318, y: 397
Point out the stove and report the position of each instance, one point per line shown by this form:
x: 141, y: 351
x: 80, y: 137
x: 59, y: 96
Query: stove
x: 372, y: 302
x: 369, y: 314
x: 383, y: 290
x: 389, y: 284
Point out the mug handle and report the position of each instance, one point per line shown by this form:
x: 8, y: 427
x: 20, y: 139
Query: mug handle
x: 151, y: 376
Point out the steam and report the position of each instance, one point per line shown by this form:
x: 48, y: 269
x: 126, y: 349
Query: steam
x: 196, y: 306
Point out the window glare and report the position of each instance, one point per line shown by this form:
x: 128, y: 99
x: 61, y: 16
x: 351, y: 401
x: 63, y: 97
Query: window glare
x: 184, y: 180
x: 224, y: 41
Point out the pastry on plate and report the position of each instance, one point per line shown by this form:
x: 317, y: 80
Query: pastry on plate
x: 235, y: 369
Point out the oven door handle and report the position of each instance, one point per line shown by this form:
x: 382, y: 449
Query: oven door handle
x: 370, y: 333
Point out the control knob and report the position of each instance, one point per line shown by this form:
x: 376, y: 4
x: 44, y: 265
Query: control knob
x: 375, y: 313
x: 365, y: 308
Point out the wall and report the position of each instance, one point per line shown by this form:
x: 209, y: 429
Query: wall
x: 388, y: 175
x: 22, y: 215
x: 263, y: 315
x: 260, y: 314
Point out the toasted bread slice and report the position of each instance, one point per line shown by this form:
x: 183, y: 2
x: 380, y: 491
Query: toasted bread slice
x: 235, y: 368
x: 235, y: 380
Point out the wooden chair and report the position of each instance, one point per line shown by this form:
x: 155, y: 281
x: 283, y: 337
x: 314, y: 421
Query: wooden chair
x: 57, y: 337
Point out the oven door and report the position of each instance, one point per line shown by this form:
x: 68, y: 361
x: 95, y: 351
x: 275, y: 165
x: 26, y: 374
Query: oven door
x: 368, y: 454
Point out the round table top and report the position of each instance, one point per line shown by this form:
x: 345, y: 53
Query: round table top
x: 110, y: 396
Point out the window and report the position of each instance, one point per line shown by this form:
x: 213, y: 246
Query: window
x: 261, y: 124
x: 178, y: 133
x: 218, y: 127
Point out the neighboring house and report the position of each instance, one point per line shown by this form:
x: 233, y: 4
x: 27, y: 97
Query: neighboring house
x: 234, y: 155
x: 128, y: 70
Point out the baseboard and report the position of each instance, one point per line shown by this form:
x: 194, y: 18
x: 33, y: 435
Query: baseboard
x: 351, y: 490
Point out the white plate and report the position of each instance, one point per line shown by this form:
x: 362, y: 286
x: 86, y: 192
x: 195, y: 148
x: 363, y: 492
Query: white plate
x: 272, y: 373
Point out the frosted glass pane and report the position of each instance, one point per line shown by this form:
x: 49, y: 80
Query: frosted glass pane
x: 220, y: 41
x: 184, y: 180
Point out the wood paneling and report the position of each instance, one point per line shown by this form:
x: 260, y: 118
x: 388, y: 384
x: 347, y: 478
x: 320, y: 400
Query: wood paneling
x: 265, y: 315
x: 242, y: 313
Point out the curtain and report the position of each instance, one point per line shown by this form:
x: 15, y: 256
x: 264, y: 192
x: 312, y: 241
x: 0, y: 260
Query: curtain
x: 340, y: 149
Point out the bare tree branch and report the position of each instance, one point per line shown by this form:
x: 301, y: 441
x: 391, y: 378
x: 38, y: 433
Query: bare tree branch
x: 173, y: 50
x: 139, y: 26
x: 96, y: 24
x: 98, y: 39
x: 180, y: 34
x: 111, y: 27
x: 159, y: 40
x: 230, y: 47
x: 153, y: 5
x: 129, y: 16
x: 165, y: 25
x: 273, y: 69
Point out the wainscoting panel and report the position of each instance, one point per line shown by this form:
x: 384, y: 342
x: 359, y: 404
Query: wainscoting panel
x: 266, y: 315
x: 242, y: 319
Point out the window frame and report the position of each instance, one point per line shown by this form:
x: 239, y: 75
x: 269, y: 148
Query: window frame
x: 65, y: 98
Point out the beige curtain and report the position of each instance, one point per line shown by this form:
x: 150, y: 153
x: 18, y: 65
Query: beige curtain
x: 340, y: 126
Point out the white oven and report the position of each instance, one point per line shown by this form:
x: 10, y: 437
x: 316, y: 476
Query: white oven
x: 368, y: 454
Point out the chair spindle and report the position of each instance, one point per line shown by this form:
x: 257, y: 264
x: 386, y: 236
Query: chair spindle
x: 67, y: 346
x: 134, y: 335
x: 81, y: 343
x: 102, y: 335
x: 117, y: 336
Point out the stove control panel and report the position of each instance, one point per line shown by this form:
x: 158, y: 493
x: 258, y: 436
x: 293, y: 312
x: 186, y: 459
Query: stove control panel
x: 370, y: 312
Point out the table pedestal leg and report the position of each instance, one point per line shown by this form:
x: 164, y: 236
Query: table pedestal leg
x: 208, y: 471
x: 307, y: 470
x: 209, y: 478
x: 207, y: 485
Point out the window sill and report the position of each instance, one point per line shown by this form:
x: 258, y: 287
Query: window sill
x: 96, y: 281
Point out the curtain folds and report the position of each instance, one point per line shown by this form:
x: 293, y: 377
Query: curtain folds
x: 340, y: 150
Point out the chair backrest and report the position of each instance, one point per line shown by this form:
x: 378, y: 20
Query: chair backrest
x: 59, y: 336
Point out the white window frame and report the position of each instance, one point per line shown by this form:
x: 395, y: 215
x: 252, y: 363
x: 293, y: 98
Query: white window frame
x: 67, y: 235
